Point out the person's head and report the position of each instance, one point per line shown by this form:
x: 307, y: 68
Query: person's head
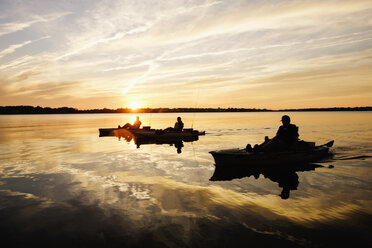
x: 286, y: 120
x: 178, y: 119
x: 137, y: 118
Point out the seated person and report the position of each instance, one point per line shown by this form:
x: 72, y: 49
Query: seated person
x: 285, y: 139
x: 178, y: 126
x: 136, y: 124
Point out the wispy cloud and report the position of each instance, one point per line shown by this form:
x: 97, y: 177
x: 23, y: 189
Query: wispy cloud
x: 117, y: 36
x: 142, y: 28
x: 11, y: 27
x: 46, y: 90
x: 16, y: 63
x: 12, y: 48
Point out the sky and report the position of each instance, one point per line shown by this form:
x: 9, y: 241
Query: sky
x: 181, y: 53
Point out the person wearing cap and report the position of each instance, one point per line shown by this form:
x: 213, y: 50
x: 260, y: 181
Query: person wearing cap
x: 285, y: 139
x: 288, y: 133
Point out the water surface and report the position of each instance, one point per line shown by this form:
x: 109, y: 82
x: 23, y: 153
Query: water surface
x: 63, y: 185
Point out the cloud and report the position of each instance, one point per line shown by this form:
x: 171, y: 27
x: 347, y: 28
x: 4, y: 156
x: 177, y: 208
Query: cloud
x: 117, y: 36
x: 236, y: 18
x: 233, y: 20
x: 15, y: 86
x: 12, y: 48
x: 11, y: 27
x: 313, y: 87
x: 17, y: 62
x: 120, y: 22
x: 52, y: 89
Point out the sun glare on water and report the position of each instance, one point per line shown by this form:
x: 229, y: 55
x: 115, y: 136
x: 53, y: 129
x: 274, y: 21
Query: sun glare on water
x: 134, y: 105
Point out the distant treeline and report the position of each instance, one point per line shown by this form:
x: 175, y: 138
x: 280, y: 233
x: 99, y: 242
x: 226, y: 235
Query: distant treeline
x: 67, y: 110
x: 329, y: 109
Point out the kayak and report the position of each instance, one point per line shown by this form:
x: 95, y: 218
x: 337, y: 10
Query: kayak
x: 241, y: 157
x: 161, y: 141
x: 149, y: 133
x: 151, y: 136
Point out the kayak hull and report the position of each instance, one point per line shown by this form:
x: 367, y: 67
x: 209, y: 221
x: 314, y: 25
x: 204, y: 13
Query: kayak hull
x: 152, y: 133
x: 240, y: 157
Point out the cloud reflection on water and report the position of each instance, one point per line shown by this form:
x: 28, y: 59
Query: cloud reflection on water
x: 106, y: 191
x: 115, y: 201
x: 174, y: 198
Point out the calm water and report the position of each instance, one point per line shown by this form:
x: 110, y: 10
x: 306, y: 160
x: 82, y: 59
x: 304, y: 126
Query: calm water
x: 61, y: 185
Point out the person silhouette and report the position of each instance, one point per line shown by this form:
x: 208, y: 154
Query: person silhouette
x: 178, y: 126
x: 286, y: 137
x: 136, y: 124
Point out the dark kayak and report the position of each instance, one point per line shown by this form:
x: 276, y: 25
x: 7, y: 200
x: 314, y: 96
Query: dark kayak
x: 158, y: 137
x: 146, y: 132
x: 240, y: 157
